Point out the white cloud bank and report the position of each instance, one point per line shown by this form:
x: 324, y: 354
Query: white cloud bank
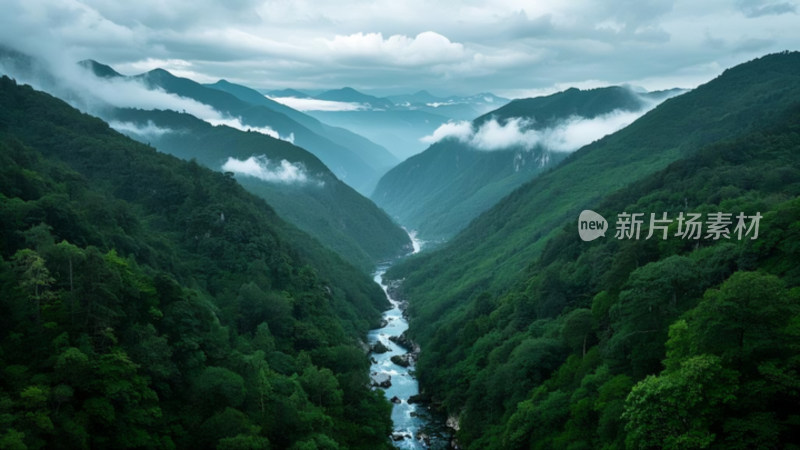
x: 567, y: 136
x: 262, y: 168
x: 313, y: 104
x: 148, y: 129
x: 82, y: 89
x: 236, y: 122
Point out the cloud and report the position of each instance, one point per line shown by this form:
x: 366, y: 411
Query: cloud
x: 236, y: 122
x: 424, y: 49
x: 758, y: 8
x: 566, y: 136
x: 389, y: 47
x: 262, y: 168
x: 149, y: 129
x: 89, y: 93
x: 576, y: 131
x: 461, y: 130
x: 313, y: 104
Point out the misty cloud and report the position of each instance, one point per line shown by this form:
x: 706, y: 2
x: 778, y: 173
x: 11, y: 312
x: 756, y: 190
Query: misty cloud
x: 148, y: 130
x: 426, y: 48
x: 236, y: 122
x: 82, y: 89
x: 313, y: 104
x: 567, y: 136
x: 403, y: 46
x: 262, y: 168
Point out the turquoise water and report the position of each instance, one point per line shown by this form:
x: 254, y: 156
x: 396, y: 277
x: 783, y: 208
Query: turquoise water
x: 419, y: 427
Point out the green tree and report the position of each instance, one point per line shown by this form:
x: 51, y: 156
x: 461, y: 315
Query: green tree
x: 34, y: 277
x: 675, y: 410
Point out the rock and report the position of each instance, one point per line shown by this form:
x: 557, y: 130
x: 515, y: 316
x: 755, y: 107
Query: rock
x: 452, y: 422
x: 402, y: 341
x: 417, y: 398
x: 400, y: 436
x: 379, y: 347
x: 403, y: 360
x: 395, y: 400
x: 384, y: 322
x: 425, y: 439
x: 381, y: 380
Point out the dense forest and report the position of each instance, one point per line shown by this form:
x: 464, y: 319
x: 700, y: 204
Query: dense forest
x: 638, y: 343
x: 148, y: 302
x: 440, y: 191
x: 324, y: 207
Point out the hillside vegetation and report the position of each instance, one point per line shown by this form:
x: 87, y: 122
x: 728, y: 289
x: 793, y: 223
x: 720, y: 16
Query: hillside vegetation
x: 148, y: 302
x: 536, y: 339
x: 441, y: 190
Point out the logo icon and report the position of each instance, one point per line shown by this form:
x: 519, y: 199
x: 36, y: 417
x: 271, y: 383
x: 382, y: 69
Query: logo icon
x: 591, y: 225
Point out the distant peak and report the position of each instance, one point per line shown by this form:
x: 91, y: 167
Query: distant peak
x: 99, y: 69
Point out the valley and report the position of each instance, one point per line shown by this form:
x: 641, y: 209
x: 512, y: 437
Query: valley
x: 205, y: 254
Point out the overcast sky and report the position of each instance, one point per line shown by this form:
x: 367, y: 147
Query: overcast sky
x: 509, y: 47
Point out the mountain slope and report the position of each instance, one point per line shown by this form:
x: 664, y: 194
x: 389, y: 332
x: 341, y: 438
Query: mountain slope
x: 148, y: 302
x: 358, y: 230
x: 642, y: 343
x: 377, y: 156
x: 314, y: 200
x: 502, y: 241
x: 400, y: 125
x: 347, y: 163
x: 350, y: 95
x: 536, y: 339
x: 438, y: 192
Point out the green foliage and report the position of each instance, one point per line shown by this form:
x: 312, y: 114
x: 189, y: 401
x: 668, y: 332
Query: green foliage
x: 133, y: 316
x: 536, y: 339
x: 440, y: 191
x: 325, y: 207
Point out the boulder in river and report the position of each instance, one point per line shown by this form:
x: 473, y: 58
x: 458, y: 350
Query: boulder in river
x: 403, y: 360
x: 396, y: 400
x: 405, y: 342
x: 397, y: 437
x: 379, y: 347
x: 383, y: 380
x: 416, y: 398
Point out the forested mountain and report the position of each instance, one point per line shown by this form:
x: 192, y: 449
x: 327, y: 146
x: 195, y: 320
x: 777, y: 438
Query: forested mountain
x: 352, y: 158
x: 397, y: 126
x: 534, y: 338
x: 148, y: 302
x: 455, y: 106
x: 350, y: 95
x: 375, y: 155
x: 321, y: 205
x: 294, y: 182
x: 439, y: 191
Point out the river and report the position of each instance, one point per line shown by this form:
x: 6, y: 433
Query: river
x: 414, y: 425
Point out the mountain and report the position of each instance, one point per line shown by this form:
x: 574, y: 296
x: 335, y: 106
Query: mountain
x: 100, y: 70
x: 287, y: 93
x: 350, y: 95
x: 298, y: 185
x: 439, y: 191
x: 398, y: 130
x: 148, y: 302
x: 399, y: 122
x: 349, y: 164
x: 325, y: 207
x: 533, y: 338
x: 372, y: 153
x: 418, y: 98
